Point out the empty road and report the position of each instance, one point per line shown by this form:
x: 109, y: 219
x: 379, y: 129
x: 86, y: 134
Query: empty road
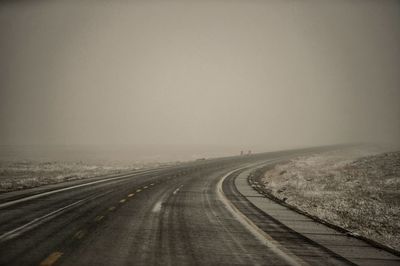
x: 189, y: 214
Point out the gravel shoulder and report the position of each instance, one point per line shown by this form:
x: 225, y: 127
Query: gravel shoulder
x: 355, y: 189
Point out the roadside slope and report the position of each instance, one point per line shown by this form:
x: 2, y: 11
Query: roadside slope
x: 361, y: 195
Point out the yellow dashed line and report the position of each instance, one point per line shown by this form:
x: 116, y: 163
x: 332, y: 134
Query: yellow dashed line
x: 111, y: 208
x: 79, y: 234
x: 152, y: 184
x: 131, y: 195
x: 138, y: 190
x: 51, y: 259
x: 145, y: 187
x: 122, y: 201
x: 98, y: 218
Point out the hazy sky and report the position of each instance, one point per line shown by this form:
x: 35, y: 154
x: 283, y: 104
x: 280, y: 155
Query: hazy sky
x: 264, y: 74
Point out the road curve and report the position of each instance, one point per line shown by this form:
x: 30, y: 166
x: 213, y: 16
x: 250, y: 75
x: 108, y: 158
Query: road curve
x: 172, y: 216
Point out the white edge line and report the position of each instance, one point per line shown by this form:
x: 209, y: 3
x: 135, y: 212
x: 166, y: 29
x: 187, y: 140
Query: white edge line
x: 18, y: 230
x: 10, y: 203
x: 37, y: 221
x: 157, y: 207
x: 266, y: 239
x: 177, y: 190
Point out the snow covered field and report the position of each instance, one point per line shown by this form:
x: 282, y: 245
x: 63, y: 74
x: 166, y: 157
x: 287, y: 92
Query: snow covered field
x: 16, y: 175
x: 357, y: 189
x: 24, y: 166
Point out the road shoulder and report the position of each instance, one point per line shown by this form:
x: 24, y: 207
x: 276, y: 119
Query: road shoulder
x: 354, y: 250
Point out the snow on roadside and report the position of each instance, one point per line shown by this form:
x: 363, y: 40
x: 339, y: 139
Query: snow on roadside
x: 357, y: 189
x: 17, y: 175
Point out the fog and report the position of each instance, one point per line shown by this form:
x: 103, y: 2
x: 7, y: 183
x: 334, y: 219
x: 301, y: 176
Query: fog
x: 217, y: 75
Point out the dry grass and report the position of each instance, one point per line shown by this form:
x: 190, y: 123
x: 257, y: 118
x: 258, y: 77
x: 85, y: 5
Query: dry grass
x: 359, y: 194
x: 27, y: 174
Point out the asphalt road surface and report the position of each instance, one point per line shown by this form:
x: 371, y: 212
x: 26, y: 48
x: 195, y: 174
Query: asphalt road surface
x: 190, y: 214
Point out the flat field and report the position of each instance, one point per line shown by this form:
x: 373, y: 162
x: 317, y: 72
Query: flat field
x: 17, y: 175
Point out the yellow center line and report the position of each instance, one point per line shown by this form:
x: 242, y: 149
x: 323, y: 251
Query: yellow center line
x: 79, y: 234
x: 111, y: 208
x: 122, y: 201
x: 138, y: 190
x: 131, y: 195
x: 51, y: 259
x: 98, y: 218
x: 152, y: 184
x: 145, y: 187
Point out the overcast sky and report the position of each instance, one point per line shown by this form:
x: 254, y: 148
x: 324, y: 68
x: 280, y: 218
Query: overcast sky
x: 259, y: 74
